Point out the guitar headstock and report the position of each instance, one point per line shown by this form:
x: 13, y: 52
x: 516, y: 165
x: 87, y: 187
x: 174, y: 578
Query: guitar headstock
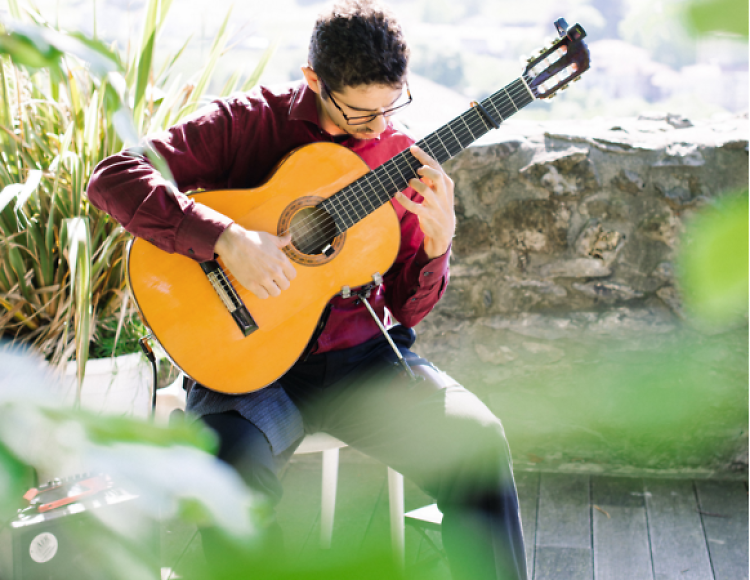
x: 554, y: 68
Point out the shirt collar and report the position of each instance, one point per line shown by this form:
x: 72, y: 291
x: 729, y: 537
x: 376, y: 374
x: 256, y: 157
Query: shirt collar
x: 304, y: 106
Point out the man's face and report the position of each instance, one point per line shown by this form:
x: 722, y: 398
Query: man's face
x: 359, y: 101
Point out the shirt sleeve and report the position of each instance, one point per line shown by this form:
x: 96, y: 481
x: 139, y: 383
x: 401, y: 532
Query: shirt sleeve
x: 199, y: 152
x: 414, y: 283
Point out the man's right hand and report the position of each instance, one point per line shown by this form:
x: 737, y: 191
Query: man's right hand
x: 255, y: 260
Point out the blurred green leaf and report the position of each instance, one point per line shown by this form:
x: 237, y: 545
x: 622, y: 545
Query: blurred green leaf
x: 719, y: 16
x: 713, y: 263
x: 40, y: 47
x: 108, y: 430
x: 14, y: 481
x: 24, y: 51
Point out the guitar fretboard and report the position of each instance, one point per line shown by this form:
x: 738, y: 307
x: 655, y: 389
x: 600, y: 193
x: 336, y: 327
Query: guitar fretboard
x: 368, y: 193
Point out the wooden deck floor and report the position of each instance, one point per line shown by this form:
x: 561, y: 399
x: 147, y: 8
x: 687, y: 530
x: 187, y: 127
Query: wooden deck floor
x: 577, y: 527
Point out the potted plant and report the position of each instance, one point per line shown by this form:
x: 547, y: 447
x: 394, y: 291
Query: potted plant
x: 65, y: 107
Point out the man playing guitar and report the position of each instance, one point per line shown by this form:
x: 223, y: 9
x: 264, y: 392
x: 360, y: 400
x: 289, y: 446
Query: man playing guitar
x: 348, y: 382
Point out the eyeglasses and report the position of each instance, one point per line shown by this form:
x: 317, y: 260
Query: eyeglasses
x: 364, y: 119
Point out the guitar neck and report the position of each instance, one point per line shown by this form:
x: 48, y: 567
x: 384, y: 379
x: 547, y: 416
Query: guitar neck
x: 359, y: 199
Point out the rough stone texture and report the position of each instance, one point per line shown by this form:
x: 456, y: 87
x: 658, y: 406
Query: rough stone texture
x: 565, y: 240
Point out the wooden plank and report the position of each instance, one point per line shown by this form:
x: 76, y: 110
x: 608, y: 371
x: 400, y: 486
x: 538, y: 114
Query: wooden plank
x: 678, y: 545
x: 724, y: 513
x: 620, y: 536
x: 562, y: 563
x: 564, y: 519
x: 563, y: 534
x: 527, y: 486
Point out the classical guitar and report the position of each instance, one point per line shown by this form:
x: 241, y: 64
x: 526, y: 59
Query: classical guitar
x: 343, y: 232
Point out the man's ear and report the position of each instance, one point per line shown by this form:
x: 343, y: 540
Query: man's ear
x: 312, y: 79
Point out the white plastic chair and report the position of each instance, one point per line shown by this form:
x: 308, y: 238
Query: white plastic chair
x: 173, y: 397
x: 329, y: 447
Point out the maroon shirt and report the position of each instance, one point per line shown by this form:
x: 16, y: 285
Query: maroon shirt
x: 234, y: 143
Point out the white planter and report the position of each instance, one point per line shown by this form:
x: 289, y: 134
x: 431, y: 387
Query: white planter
x: 113, y: 386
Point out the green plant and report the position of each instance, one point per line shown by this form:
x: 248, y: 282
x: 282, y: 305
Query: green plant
x: 64, y: 106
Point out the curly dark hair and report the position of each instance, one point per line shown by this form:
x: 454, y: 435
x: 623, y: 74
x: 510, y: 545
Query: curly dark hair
x: 358, y: 42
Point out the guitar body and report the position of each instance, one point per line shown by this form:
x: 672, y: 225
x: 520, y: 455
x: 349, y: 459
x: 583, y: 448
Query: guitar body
x: 192, y: 323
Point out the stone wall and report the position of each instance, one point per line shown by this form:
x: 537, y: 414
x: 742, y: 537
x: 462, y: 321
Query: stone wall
x: 566, y: 238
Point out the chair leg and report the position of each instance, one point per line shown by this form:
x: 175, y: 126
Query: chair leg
x: 328, y: 500
x: 396, y: 504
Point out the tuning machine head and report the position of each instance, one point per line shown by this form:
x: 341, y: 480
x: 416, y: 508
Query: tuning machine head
x: 562, y: 27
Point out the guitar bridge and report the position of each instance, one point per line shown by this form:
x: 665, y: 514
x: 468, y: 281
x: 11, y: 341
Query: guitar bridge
x: 223, y: 287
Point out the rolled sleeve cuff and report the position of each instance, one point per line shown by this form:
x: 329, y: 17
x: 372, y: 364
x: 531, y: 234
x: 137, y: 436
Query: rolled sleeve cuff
x: 198, y: 232
x: 431, y: 272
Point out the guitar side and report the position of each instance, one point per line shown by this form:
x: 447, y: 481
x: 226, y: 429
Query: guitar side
x: 192, y: 323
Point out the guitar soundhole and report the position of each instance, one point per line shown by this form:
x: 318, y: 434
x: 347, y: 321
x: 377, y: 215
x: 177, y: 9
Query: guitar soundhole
x: 313, y: 231
x: 315, y: 240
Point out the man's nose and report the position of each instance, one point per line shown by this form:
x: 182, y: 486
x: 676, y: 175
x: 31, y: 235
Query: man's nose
x: 378, y: 124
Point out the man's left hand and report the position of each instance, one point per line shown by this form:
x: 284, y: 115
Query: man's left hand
x: 436, y: 215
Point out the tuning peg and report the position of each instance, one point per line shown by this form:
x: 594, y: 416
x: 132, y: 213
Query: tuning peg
x: 575, y: 80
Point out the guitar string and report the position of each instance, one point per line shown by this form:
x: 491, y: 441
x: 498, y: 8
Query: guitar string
x: 448, y: 127
x: 310, y: 223
x: 390, y: 176
x: 331, y: 232
x: 358, y: 198
x: 436, y: 134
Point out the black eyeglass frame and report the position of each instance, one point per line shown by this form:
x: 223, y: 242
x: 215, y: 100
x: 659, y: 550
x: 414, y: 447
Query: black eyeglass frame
x: 364, y: 119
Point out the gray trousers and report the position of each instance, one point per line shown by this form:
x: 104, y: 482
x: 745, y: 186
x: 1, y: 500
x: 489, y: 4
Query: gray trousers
x: 432, y: 430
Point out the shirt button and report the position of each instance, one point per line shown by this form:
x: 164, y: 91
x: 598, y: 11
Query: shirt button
x: 190, y: 251
x: 426, y: 273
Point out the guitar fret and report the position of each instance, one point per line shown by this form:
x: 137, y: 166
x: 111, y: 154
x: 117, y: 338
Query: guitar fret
x: 511, y: 100
x: 485, y: 126
x: 448, y: 134
x: 340, y: 209
x: 460, y: 145
x: 437, y: 135
x: 372, y: 187
x: 442, y: 143
x: 385, y: 170
x: 353, y: 198
x: 367, y: 197
x: 332, y: 203
x: 395, y: 164
x: 498, y: 112
x: 428, y: 148
x: 375, y: 173
x: 467, y: 126
x: 348, y: 206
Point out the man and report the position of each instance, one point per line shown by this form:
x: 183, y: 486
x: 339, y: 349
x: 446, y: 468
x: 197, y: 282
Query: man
x: 347, y: 383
